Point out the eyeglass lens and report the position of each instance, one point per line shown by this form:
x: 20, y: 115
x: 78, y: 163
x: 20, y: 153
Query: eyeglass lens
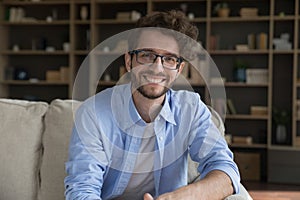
x: 148, y: 58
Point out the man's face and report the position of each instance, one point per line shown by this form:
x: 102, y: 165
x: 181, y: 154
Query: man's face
x: 154, y: 80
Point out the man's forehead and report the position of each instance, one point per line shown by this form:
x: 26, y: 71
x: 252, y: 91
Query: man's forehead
x: 154, y: 39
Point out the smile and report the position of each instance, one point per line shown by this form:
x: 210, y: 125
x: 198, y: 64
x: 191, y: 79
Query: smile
x: 154, y: 79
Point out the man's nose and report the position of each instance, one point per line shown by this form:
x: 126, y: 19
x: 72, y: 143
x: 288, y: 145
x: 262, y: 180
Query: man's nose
x: 158, y: 62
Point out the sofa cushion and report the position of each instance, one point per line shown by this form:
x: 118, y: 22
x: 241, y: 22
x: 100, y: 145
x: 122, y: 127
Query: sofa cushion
x: 58, y: 122
x: 21, y: 127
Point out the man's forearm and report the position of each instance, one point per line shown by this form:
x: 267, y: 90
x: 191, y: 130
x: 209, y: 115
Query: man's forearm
x: 216, y: 185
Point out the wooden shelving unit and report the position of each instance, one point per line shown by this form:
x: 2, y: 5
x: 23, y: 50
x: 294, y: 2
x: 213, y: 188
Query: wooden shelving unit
x: 275, y: 17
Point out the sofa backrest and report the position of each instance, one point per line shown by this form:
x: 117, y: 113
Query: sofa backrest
x: 59, y: 122
x: 21, y: 128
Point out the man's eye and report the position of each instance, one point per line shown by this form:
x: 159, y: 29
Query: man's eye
x: 145, y: 54
x: 170, y: 59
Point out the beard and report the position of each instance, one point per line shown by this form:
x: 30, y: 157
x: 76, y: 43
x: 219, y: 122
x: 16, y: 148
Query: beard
x: 146, y: 90
x: 142, y: 90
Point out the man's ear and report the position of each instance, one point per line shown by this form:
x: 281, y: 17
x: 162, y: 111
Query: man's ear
x: 128, y: 64
x: 182, y: 65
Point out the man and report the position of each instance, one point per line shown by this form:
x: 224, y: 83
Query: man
x: 132, y: 141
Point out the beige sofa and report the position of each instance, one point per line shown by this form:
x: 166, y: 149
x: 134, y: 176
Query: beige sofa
x: 33, y: 149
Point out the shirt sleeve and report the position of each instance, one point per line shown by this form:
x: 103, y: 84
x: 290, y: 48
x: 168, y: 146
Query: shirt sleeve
x: 210, y: 149
x: 87, y: 160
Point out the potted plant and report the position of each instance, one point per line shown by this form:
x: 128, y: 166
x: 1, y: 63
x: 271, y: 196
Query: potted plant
x: 281, y: 119
x: 222, y: 9
x: 239, y: 71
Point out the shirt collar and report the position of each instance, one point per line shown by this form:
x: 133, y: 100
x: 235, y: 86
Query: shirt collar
x: 166, y: 111
x: 126, y: 113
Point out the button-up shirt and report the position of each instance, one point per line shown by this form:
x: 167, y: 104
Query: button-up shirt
x: 107, y: 136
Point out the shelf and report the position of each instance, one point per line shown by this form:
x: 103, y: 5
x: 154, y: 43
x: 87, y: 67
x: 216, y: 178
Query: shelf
x: 82, y: 22
x: 120, y: 1
x: 109, y: 53
x: 240, y: 19
x: 31, y: 3
x: 285, y: 18
x: 235, y: 52
x: 34, y: 52
x: 199, y: 20
x: 36, y: 23
x: 81, y: 52
x: 40, y: 82
x: 283, y: 51
x: 247, y: 117
x: 249, y: 146
x: 284, y: 147
x: 114, y: 21
x: 171, y: 1
x: 82, y: 1
x: 240, y: 84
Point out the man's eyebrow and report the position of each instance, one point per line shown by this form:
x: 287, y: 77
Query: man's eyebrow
x: 167, y: 53
x: 145, y: 49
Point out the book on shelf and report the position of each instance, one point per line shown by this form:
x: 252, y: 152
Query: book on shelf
x: 230, y: 107
x: 242, y: 140
x: 262, y: 41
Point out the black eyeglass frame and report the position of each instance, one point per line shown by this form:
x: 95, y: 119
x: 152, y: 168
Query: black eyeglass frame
x: 179, y: 60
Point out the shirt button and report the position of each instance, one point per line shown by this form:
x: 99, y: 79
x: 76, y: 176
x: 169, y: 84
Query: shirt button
x: 127, y: 167
x: 160, y: 138
x: 119, y: 191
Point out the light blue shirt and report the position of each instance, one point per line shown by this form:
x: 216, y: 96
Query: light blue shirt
x: 107, y: 136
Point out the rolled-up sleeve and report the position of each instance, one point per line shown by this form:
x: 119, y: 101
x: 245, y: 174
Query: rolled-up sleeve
x: 209, y: 148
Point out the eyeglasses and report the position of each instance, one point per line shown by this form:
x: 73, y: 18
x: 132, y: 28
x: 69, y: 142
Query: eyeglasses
x: 147, y: 58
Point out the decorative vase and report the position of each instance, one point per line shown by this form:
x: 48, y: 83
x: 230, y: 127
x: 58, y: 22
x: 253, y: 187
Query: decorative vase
x: 240, y: 75
x: 84, y: 12
x: 223, y: 12
x: 280, y: 134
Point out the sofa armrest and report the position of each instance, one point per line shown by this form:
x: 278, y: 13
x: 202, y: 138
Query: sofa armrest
x: 243, y: 195
x: 235, y: 197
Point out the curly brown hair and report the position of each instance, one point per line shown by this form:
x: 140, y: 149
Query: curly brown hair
x: 170, y: 23
x: 173, y: 19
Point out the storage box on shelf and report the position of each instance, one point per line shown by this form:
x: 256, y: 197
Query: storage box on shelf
x: 249, y: 165
x: 257, y: 76
x: 297, y: 141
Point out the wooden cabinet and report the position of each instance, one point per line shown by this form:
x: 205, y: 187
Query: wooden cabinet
x: 32, y: 38
x: 244, y: 46
x: 55, y: 36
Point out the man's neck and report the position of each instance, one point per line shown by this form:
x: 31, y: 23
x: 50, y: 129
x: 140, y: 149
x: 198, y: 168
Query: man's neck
x: 147, y: 108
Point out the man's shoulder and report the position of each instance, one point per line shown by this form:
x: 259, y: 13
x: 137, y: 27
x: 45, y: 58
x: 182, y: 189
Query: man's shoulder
x: 104, y: 98
x: 185, y: 96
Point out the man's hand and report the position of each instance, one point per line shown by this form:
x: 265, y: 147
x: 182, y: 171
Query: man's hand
x: 148, y: 196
